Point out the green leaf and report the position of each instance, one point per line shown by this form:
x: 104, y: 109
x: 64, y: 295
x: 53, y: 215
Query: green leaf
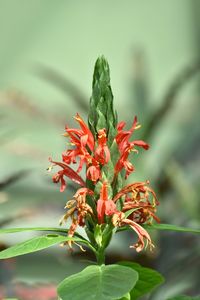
x: 50, y: 229
x: 171, y: 228
x: 35, y: 244
x: 148, y: 279
x: 126, y: 297
x: 167, y: 227
x: 14, y: 230
x: 182, y: 297
x: 98, y: 283
x: 130, y: 211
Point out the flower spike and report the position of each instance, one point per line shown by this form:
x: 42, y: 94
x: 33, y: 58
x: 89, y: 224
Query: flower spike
x: 100, y: 152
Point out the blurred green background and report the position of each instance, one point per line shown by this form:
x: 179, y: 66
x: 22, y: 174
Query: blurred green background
x: 47, y: 53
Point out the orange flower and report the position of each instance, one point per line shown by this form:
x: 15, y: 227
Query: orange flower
x: 120, y: 220
x: 78, y: 209
x: 93, y: 172
x: 66, y: 171
x: 141, y: 198
x: 125, y: 147
x: 102, y: 153
x: 104, y: 205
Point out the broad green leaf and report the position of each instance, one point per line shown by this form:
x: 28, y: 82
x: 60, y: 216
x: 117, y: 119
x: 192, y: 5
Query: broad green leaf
x: 182, y: 297
x: 98, y: 283
x: 148, y: 279
x: 35, y: 244
x: 172, y: 228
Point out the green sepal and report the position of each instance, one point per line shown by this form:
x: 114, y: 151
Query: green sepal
x: 98, y: 235
x: 107, y: 235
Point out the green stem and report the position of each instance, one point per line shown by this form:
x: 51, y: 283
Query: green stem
x: 100, y: 255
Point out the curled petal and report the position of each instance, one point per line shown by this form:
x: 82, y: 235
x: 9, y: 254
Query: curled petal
x: 124, y: 163
x: 130, y: 188
x: 121, y: 125
x: 110, y: 208
x: 141, y: 144
x: 86, y: 131
x: 119, y: 220
x: 142, y: 234
x: 104, y: 205
x: 102, y: 153
x: 122, y: 137
x: 83, y: 191
x: 67, y: 215
x: 93, y: 173
x: 59, y: 177
x: 107, y: 208
x: 71, y: 232
x: 68, y: 172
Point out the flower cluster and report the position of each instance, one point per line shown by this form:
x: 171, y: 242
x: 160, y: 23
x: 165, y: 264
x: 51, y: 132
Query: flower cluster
x: 137, y: 200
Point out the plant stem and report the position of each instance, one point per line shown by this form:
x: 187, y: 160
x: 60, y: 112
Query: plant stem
x: 100, y: 255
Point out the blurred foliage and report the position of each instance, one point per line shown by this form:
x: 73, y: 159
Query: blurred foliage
x: 46, y: 56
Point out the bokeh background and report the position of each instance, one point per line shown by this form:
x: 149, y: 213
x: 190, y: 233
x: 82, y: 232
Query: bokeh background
x: 47, y: 53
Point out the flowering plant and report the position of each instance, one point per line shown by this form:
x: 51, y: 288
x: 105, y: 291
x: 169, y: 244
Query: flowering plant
x: 103, y: 204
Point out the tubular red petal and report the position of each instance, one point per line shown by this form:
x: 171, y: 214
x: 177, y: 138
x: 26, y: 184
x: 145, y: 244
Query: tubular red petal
x: 86, y: 130
x: 141, y: 143
x: 63, y: 184
x: 100, y: 211
x: 93, y: 173
x: 110, y: 208
x: 142, y: 234
x: 69, y: 172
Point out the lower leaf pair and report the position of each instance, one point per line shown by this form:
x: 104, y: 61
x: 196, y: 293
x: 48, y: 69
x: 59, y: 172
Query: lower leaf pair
x: 123, y: 281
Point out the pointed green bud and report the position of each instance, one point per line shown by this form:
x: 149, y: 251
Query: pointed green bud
x: 101, y: 112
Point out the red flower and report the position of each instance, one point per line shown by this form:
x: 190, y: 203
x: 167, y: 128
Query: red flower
x: 80, y: 152
x: 141, y: 144
x: 81, y: 136
x: 142, y: 199
x: 125, y: 147
x: 120, y: 220
x: 104, y: 205
x: 93, y: 172
x: 137, y: 188
x: 124, y: 163
x: 68, y: 172
x: 122, y: 137
x: 102, y: 153
x: 78, y: 209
